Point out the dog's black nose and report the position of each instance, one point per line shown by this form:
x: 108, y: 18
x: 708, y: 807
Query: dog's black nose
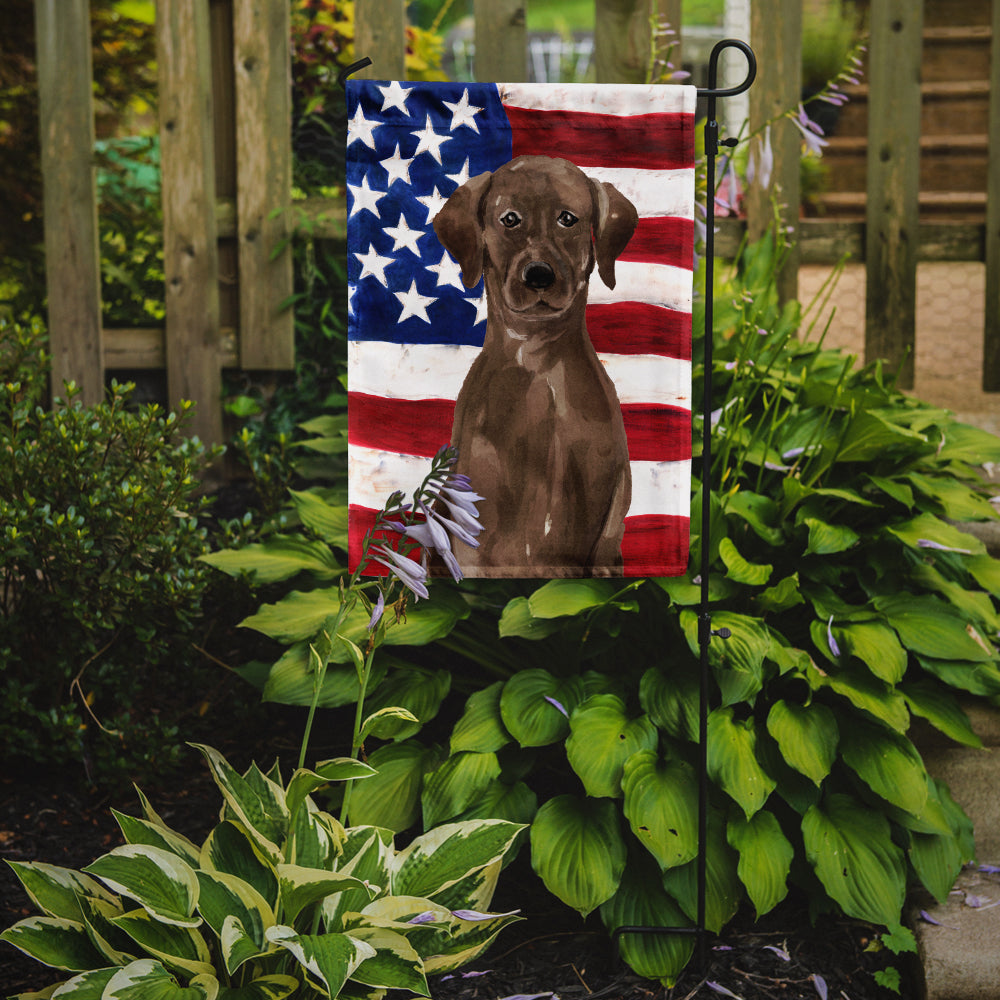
x: 538, y: 275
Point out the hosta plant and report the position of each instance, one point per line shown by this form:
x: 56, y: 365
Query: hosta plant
x: 279, y: 900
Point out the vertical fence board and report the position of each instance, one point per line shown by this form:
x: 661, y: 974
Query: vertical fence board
x: 501, y: 41
x: 892, y: 215
x: 776, y: 35
x: 72, y: 256
x: 991, y: 332
x: 190, y: 254
x: 380, y: 34
x: 262, y: 60
x: 621, y: 40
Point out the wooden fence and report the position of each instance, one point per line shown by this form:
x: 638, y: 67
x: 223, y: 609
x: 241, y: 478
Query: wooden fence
x: 226, y: 160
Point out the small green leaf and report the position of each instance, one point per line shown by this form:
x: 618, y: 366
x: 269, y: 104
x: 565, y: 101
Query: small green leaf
x: 456, y: 784
x: 828, y: 539
x: 807, y: 736
x: 739, y: 569
x: 481, y: 727
x: 325, y: 519
x: 559, y: 598
x: 518, y: 621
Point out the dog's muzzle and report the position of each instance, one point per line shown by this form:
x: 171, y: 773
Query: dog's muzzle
x: 538, y: 275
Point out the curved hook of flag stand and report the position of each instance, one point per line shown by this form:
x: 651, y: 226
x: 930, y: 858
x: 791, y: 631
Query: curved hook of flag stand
x: 705, y: 631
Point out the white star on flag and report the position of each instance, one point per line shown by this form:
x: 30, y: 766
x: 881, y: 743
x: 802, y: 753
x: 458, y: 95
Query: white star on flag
x: 414, y: 304
x: 448, y: 271
x: 403, y: 236
x: 360, y: 128
x: 430, y: 141
x: 397, y: 167
x: 432, y: 202
x: 365, y: 197
x: 395, y: 97
x: 481, y: 309
x: 462, y: 176
x: 463, y: 113
x: 374, y: 264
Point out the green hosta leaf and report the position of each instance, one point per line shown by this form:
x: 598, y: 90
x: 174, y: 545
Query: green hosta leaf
x: 928, y: 528
x: 481, y: 728
x: 456, y: 784
x: 279, y: 558
x: 516, y: 803
x: 54, y: 941
x: 976, y: 605
x: 415, y: 689
x: 965, y: 443
x: 893, y: 488
x: 671, y: 700
x: 391, y: 798
x: 986, y: 571
x: 56, y: 891
x: 602, y: 738
x: 976, y: 678
x: 827, y: 539
x: 147, y: 979
x: 528, y: 709
x: 941, y: 709
x: 807, y: 736
x: 230, y: 849
x: 260, y: 809
x: 876, y: 646
x: 330, y: 959
x: 325, y: 519
x: 738, y: 661
x: 141, y: 831
x: 931, y: 628
x: 225, y: 897
x: 957, y: 501
x: 866, y: 692
x: 888, y: 763
x: 275, y: 987
x: 180, y: 948
x: 438, y: 859
x: 870, y: 435
x: 159, y: 881
x: 661, y: 798
x: 783, y: 595
x: 850, y: 848
x: 578, y: 851
x: 641, y: 901
x: 559, y: 598
x: 739, y: 569
x: 292, y: 680
x: 765, y: 858
x: 937, y: 858
x: 732, y: 760
x: 760, y: 512
x: 395, y: 964
x: 304, y: 782
x: 723, y: 889
x: 301, y: 887
x: 683, y: 592
x: 517, y: 620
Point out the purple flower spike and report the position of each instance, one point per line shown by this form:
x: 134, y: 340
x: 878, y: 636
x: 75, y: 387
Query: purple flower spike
x: 377, y: 612
x: 411, y: 574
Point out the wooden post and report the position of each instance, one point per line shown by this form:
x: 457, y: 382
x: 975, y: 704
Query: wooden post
x: 72, y: 255
x: 893, y: 184
x: 190, y: 254
x: 776, y: 35
x: 991, y: 333
x: 261, y: 56
x: 501, y: 41
x: 380, y: 34
x: 622, y: 40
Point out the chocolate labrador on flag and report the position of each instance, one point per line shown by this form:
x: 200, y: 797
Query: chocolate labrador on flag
x: 538, y: 425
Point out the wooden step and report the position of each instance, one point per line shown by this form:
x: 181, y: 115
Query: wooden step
x: 940, y: 13
x: 958, y: 206
x: 956, y: 53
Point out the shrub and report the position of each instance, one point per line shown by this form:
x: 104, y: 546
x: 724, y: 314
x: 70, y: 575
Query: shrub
x: 99, y: 539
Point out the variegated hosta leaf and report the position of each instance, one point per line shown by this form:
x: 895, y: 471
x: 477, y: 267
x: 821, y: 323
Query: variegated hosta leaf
x: 456, y: 784
x: 177, y: 947
x: 395, y: 964
x: 765, y: 858
x: 158, y: 880
x: 465, y: 942
x: 256, y: 801
x: 807, y: 736
x: 476, y: 890
x: 642, y: 902
x: 54, y: 941
x: 300, y: 887
x: 481, y: 727
x: 888, y: 763
x: 56, y: 891
x: 274, y: 987
x: 441, y: 857
x: 116, y: 947
x: 86, y: 986
x: 732, y: 760
x: 367, y: 853
x: 535, y: 706
x: 304, y: 782
x: 315, y: 838
x: 147, y: 979
x: 328, y: 959
x: 578, y: 851
x: 850, y: 847
x: 661, y: 799
x: 141, y: 831
x: 225, y: 897
x: 230, y: 849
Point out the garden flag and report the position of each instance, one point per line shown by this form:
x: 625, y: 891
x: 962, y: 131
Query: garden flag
x: 520, y: 278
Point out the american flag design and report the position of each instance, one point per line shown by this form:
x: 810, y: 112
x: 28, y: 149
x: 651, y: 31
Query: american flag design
x: 415, y: 329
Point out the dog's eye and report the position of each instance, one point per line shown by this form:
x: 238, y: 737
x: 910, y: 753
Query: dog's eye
x: 510, y: 219
x: 567, y: 219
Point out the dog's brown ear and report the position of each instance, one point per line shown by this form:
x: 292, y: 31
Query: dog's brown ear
x: 459, y: 227
x: 615, y: 219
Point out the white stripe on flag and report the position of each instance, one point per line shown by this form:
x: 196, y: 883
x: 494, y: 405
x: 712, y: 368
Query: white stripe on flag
x: 637, y: 281
x: 657, y: 487
x: 655, y: 193
x: 437, y: 371
x: 633, y: 100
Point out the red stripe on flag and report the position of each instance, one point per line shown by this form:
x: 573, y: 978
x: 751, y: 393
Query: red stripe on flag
x: 664, y: 240
x: 655, y: 545
x: 639, y: 328
x: 657, y: 433
x: 401, y: 426
x: 644, y: 142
